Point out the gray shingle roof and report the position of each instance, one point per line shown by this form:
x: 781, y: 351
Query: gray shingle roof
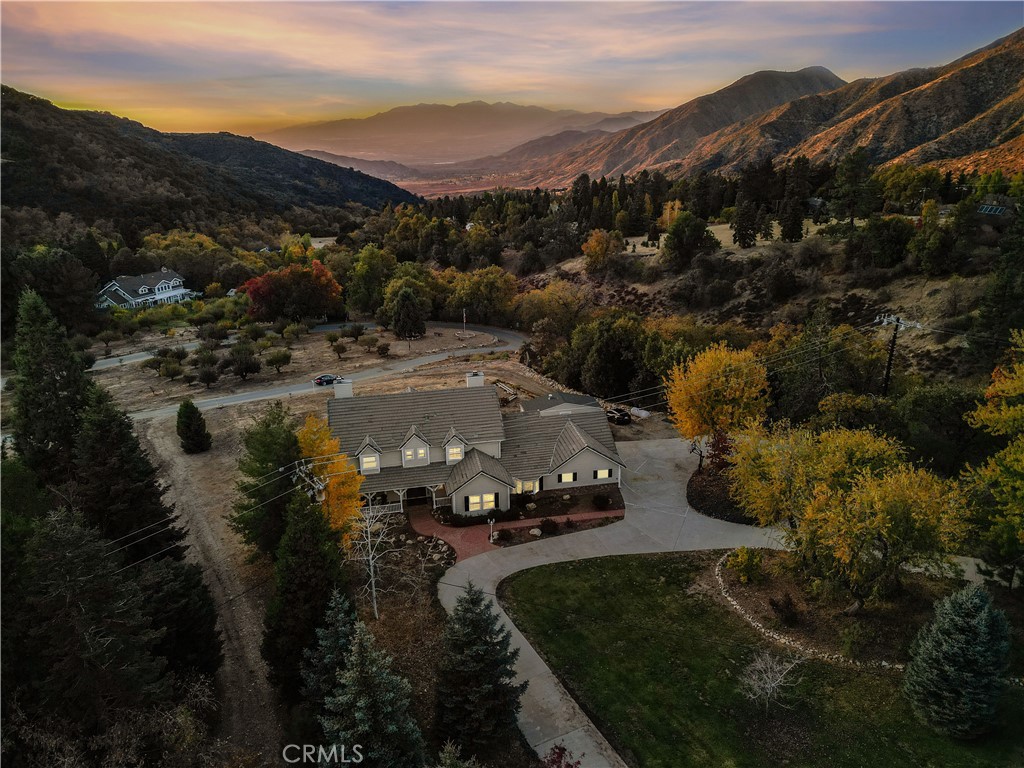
x: 532, y: 440
x: 397, y: 478
x: 554, y: 399
x: 474, y: 412
x: 131, y: 284
x: 472, y: 464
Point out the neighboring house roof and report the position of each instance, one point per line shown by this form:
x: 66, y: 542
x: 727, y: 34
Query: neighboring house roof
x: 474, y: 413
x: 475, y: 463
x: 129, y: 285
x: 534, y: 443
x: 555, y: 399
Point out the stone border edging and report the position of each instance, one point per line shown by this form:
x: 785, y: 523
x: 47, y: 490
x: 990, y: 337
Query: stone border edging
x: 778, y: 637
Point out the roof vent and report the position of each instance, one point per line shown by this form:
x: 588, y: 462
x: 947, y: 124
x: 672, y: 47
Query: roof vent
x: 474, y: 379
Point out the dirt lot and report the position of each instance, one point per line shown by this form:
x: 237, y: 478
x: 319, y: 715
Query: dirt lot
x: 136, y: 388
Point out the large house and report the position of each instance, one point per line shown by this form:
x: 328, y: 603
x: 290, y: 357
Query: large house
x: 163, y: 287
x: 455, y: 447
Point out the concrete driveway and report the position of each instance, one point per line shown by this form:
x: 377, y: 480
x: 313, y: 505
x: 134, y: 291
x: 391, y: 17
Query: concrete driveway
x: 658, y: 519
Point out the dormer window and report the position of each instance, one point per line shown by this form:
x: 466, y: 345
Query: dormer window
x: 369, y: 463
x: 143, y: 289
x: 455, y: 453
x: 415, y: 454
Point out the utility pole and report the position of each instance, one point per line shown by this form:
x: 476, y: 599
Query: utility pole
x: 896, y: 323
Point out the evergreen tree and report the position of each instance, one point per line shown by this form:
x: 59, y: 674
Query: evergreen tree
x: 116, y: 486
x: 326, y: 657
x: 179, y: 604
x: 954, y: 677
x: 765, y: 225
x: 50, y: 389
x: 408, y: 320
x: 306, y: 573
x: 744, y: 226
x: 477, y: 698
x: 854, y: 193
x: 192, y: 429
x: 370, y: 707
x: 270, y: 445
x: 88, y: 647
x: 791, y: 221
x: 686, y: 237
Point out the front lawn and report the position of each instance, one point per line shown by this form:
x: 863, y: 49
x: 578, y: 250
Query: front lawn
x: 646, y: 648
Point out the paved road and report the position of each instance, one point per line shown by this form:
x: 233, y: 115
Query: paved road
x: 512, y: 340
x: 658, y: 519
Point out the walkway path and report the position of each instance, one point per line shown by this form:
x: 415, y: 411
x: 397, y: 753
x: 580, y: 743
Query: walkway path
x: 658, y: 519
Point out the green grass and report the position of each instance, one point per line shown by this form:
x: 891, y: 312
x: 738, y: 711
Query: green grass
x: 655, y: 663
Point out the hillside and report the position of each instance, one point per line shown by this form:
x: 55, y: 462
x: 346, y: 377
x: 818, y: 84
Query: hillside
x: 674, y: 134
x: 382, y: 169
x: 422, y: 135
x: 954, y: 116
x: 94, y: 165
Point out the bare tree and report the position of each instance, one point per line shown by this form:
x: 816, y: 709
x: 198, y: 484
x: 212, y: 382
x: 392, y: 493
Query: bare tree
x: 768, y: 679
x: 374, y: 541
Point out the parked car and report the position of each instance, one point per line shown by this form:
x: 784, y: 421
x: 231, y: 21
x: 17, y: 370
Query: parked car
x: 619, y: 416
x: 327, y: 378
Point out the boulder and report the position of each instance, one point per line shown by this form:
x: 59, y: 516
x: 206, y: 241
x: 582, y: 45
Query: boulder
x: 567, y: 497
x: 531, y: 507
x: 535, y: 532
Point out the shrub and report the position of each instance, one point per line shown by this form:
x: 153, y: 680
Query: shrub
x: 503, y: 534
x: 746, y: 563
x: 602, y: 501
x: 191, y: 429
x: 854, y: 639
x: 383, y: 348
x: 369, y: 342
x: 785, y: 609
x: 548, y: 526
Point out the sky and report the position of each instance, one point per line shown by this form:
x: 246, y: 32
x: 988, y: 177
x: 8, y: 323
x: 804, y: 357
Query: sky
x: 252, y: 66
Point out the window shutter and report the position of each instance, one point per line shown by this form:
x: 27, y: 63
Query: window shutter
x: 497, y: 500
x: 540, y: 485
x: 574, y: 477
x: 465, y: 503
x: 595, y: 474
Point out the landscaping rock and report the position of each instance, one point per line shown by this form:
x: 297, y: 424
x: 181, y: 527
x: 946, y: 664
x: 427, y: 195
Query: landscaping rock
x: 535, y: 532
x: 567, y: 497
x: 530, y: 507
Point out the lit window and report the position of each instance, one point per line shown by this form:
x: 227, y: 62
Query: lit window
x: 415, y: 453
x: 602, y: 474
x: 567, y: 477
x: 482, y: 502
x: 454, y: 453
x: 528, y: 486
x: 368, y: 462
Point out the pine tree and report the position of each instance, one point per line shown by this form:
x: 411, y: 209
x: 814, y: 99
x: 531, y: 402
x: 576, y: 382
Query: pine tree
x: 477, y: 698
x: 192, y: 429
x: 792, y: 221
x: 88, y: 644
x: 116, y: 487
x: 179, y: 603
x: 326, y: 657
x: 370, y: 707
x: 744, y: 226
x: 408, y: 320
x: 50, y: 389
x: 954, y: 677
x: 270, y: 445
x: 306, y: 573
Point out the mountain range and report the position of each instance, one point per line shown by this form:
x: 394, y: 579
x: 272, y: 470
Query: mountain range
x: 423, y: 135
x: 964, y: 115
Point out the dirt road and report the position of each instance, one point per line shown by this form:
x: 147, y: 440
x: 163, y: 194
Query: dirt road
x: 202, y: 488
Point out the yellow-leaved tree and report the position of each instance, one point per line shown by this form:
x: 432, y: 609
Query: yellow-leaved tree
x: 341, y: 501
x: 999, y: 482
x: 776, y: 475
x: 716, y: 392
x: 903, y: 516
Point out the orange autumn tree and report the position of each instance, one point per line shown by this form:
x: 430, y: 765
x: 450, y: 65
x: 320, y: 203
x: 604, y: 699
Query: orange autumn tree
x: 341, y: 493
x: 716, y: 392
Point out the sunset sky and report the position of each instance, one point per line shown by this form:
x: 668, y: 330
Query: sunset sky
x: 250, y: 66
